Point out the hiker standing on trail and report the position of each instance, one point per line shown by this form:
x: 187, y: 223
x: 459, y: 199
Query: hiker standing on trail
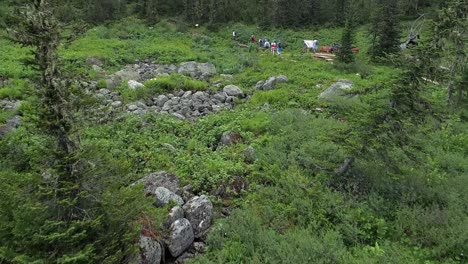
x: 253, y: 39
x: 234, y: 35
x: 273, y: 47
x: 280, y: 47
x: 267, y: 44
x: 261, y: 42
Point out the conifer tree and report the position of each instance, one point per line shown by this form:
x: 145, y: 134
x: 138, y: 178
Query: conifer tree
x: 385, y: 29
x: 61, y: 219
x: 345, y: 54
x: 450, y: 38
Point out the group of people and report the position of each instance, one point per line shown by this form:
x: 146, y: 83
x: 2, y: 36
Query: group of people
x: 275, y: 47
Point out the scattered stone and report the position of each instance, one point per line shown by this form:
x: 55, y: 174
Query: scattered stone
x: 132, y: 84
x: 178, y: 116
x: 199, y: 211
x: 271, y: 82
x: 221, y: 97
x: 129, y: 73
x: 259, y: 85
x: 161, y: 100
x: 132, y: 107
x: 164, y: 196
x: 282, y: 79
x: 116, y: 104
x: 227, y: 76
x: 104, y: 91
x: 180, y: 238
x: 150, y: 250
x: 94, y: 61
x: 187, y: 94
x: 232, y: 90
x: 197, y: 70
x: 229, y: 138
x: 200, y: 247
x: 98, y: 69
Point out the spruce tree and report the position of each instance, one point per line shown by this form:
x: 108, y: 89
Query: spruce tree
x: 385, y: 29
x: 450, y: 31
x: 62, y: 218
x: 345, y: 54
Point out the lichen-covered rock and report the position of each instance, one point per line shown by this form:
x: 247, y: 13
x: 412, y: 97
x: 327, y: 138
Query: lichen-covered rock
x: 199, y: 211
x: 176, y: 213
x: 132, y: 107
x: 132, y: 84
x: 232, y: 90
x: 164, y: 196
x: 271, y: 82
x: 160, y: 179
x: 150, y: 251
x: 180, y: 237
x: 339, y: 88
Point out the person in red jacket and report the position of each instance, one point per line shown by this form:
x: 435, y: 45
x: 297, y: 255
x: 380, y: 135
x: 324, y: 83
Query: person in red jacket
x: 253, y: 39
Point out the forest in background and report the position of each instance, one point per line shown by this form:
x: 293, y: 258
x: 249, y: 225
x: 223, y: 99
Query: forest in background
x: 66, y: 193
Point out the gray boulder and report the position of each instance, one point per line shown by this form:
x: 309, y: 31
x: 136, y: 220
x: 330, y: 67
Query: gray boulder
x: 9, y: 105
x: 176, y: 213
x: 129, y: 73
x: 132, y: 107
x: 94, y: 61
x: 104, y: 91
x: 180, y: 237
x: 271, y: 82
x: 160, y: 179
x: 221, y: 97
x: 282, y: 79
x: 164, y: 196
x: 161, y: 100
x: 116, y: 104
x: 200, y: 247
x: 200, y: 96
x: 259, y: 85
x: 339, y: 88
x: 197, y: 70
x: 150, y: 251
x: 132, y: 84
x: 178, y: 116
x: 229, y: 138
x: 199, y: 211
x: 232, y: 90
x: 97, y: 69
